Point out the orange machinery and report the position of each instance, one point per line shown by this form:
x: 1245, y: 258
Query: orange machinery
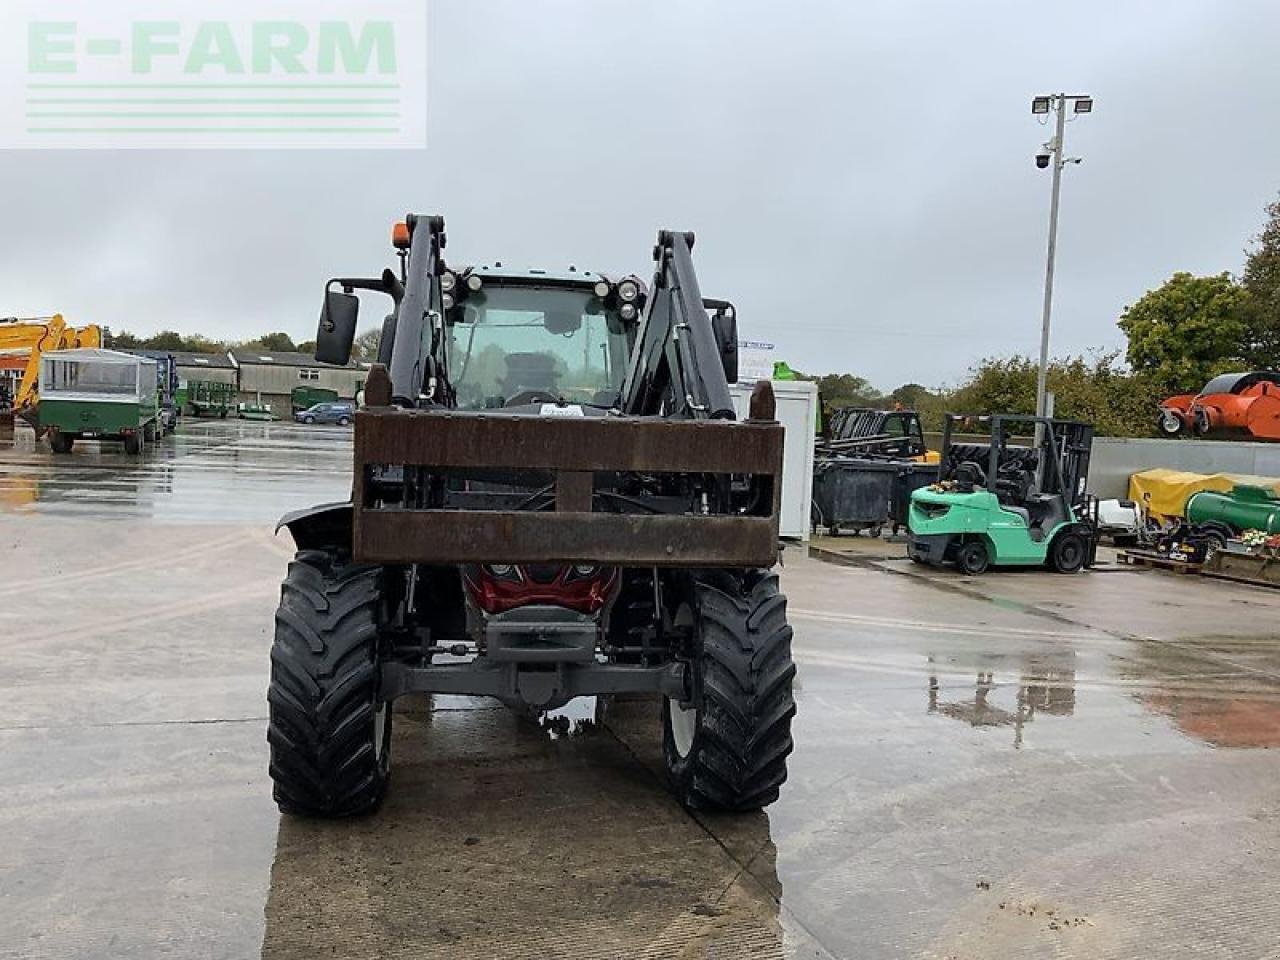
x: 1239, y: 404
x: 22, y: 342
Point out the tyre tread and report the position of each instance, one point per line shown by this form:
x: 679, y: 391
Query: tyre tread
x: 738, y: 758
x: 324, y: 676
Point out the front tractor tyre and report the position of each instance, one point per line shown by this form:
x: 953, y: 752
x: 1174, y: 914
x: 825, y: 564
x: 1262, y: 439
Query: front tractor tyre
x: 133, y: 444
x: 726, y: 748
x: 329, y: 731
x: 1068, y: 552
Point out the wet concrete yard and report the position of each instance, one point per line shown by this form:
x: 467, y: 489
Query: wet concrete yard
x: 1023, y: 765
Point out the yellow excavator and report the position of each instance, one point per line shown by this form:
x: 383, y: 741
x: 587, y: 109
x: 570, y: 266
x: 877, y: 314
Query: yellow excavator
x: 23, y: 340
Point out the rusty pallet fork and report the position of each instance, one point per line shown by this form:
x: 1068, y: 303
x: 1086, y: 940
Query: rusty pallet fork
x: 667, y: 492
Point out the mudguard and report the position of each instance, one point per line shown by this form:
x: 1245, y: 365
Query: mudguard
x: 324, y: 525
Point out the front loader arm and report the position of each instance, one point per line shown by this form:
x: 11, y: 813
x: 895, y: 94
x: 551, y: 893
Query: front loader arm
x: 675, y: 367
x: 418, y: 329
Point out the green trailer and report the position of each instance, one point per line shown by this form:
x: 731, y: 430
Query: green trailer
x: 98, y: 395
x: 211, y: 398
x: 303, y: 398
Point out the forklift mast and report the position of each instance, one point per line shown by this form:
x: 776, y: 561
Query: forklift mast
x: 1063, y: 453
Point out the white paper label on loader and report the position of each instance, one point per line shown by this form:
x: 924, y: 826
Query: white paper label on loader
x: 555, y: 410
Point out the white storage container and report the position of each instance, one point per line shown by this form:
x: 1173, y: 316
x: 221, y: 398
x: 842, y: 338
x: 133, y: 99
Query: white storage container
x: 798, y: 413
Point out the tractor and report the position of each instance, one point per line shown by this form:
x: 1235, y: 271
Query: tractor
x: 551, y: 499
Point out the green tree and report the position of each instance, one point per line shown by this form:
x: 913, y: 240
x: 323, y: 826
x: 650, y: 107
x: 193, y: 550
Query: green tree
x: 844, y: 390
x: 1261, y: 281
x: 124, y: 340
x: 1184, y: 332
x: 280, y: 342
x: 911, y: 395
x: 365, y: 346
x: 165, y: 340
x: 307, y: 346
x: 1097, y: 390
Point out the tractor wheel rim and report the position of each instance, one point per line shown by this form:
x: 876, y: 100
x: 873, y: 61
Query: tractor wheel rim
x: 380, y: 729
x: 684, y: 723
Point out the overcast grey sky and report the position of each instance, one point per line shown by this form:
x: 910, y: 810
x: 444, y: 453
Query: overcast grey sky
x: 859, y: 174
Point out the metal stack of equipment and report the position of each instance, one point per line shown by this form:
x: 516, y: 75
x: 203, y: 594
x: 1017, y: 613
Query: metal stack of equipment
x: 866, y: 468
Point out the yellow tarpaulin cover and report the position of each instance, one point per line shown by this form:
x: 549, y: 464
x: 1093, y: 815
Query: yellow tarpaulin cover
x: 1170, y: 489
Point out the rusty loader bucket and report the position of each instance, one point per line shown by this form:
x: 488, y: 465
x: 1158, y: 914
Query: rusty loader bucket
x: 435, y: 487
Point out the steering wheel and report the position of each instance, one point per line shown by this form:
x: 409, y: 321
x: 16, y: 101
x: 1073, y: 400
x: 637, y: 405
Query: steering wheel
x: 530, y: 396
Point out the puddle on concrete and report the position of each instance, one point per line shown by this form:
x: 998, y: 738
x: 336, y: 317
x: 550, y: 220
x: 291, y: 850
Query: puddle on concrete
x: 208, y: 471
x: 1224, y: 691
x: 1044, y: 685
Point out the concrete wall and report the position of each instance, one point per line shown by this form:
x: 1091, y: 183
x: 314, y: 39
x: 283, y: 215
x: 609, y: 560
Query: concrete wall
x: 1114, y: 459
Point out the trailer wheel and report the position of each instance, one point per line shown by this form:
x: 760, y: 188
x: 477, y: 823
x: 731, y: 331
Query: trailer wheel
x: 330, y: 733
x: 726, y: 748
x: 1169, y: 423
x: 149, y: 433
x: 1068, y: 552
x: 973, y: 558
x: 61, y: 442
x: 133, y: 444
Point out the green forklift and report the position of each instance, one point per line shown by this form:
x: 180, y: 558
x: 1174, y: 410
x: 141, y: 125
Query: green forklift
x: 1006, y: 503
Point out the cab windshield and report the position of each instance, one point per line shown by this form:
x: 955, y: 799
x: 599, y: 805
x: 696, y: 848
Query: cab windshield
x: 511, y: 345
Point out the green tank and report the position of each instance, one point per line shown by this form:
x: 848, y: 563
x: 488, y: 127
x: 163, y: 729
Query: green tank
x: 1244, y: 508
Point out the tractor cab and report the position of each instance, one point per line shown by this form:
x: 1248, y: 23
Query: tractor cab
x: 1009, y: 501
x: 519, y: 340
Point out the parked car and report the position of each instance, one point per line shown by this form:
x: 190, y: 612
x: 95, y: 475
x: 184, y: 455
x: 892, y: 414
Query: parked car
x: 339, y: 413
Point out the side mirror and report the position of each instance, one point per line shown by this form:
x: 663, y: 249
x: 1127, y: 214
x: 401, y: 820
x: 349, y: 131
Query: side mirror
x: 337, y: 330
x: 724, y: 324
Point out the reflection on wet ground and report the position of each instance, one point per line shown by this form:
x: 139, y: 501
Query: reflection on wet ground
x: 1224, y: 691
x: 1045, y: 685
x: 1017, y: 766
x: 210, y: 471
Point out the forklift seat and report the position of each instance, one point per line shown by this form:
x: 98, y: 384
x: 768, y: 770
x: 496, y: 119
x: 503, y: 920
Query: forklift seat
x: 1023, y: 512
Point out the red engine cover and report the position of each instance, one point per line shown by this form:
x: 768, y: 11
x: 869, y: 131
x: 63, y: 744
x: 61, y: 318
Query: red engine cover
x: 499, y: 588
